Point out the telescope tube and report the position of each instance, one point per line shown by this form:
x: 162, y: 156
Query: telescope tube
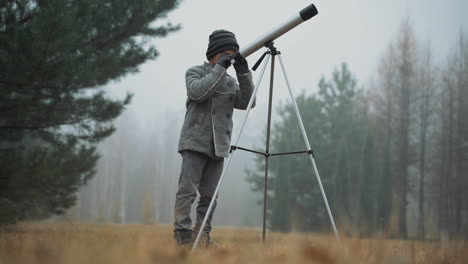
x: 304, y: 15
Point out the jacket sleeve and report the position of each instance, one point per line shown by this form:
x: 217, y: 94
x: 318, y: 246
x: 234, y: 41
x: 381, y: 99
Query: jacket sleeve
x: 244, y: 91
x: 200, y: 87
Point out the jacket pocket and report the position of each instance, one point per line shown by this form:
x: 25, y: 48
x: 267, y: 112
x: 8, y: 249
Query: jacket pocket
x: 198, y: 123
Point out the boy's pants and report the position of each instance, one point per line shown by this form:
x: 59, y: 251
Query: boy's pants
x: 199, y: 172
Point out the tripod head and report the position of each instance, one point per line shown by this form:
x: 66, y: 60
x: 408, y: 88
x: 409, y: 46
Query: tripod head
x: 271, y: 50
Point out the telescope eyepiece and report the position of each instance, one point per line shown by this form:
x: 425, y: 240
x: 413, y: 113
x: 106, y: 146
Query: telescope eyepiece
x: 308, y: 12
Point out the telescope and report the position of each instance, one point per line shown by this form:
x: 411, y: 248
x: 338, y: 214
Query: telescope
x: 304, y: 15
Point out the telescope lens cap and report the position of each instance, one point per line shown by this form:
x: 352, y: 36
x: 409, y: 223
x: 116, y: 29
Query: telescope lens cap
x: 308, y: 12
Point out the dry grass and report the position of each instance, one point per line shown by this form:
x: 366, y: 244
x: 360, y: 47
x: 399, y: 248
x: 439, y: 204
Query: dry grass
x: 93, y: 243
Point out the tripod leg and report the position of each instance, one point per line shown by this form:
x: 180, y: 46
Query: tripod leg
x: 210, y: 207
x: 267, y: 148
x: 306, y: 141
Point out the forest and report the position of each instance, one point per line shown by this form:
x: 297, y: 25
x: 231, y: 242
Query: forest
x: 393, y: 154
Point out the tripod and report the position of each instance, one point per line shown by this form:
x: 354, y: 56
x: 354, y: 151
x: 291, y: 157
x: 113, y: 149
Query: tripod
x: 272, y: 52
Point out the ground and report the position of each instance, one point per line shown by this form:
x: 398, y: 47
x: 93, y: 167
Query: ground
x: 110, y: 243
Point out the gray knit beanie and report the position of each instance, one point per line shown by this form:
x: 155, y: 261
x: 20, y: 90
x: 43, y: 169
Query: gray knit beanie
x: 221, y: 40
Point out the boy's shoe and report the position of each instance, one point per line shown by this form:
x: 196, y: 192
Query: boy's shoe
x: 183, y: 237
x: 205, y: 240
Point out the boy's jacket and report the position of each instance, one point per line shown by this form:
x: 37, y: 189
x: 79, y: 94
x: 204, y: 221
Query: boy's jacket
x: 212, y: 96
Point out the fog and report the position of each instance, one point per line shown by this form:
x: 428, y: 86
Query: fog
x: 137, y: 175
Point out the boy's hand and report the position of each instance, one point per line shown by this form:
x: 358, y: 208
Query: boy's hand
x: 224, y: 60
x: 241, y: 65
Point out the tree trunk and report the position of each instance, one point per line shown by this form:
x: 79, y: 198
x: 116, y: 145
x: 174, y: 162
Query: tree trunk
x: 459, y: 138
x: 422, y: 170
x: 427, y: 89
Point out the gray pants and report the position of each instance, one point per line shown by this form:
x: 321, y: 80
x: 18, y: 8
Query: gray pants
x: 199, y: 172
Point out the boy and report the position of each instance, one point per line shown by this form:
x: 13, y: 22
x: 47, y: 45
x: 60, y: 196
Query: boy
x: 206, y: 133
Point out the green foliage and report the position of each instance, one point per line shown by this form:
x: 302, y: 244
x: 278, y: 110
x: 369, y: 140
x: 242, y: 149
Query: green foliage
x: 45, y: 176
x: 335, y: 122
x: 54, y: 57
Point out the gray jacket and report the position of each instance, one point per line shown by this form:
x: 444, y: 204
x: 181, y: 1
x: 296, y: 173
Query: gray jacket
x: 212, y: 96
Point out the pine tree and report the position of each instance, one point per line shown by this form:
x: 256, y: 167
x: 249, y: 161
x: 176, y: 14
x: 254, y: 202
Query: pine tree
x: 331, y: 123
x: 55, y: 56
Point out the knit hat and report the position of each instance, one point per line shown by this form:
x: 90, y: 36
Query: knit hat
x: 221, y: 40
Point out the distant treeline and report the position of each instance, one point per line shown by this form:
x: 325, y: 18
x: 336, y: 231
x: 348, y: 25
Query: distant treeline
x: 393, y: 156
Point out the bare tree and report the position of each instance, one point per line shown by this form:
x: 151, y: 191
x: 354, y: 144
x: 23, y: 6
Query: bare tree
x: 406, y: 60
x: 383, y: 97
x: 453, y: 165
x: 461, y: 132
x: 426, y: 79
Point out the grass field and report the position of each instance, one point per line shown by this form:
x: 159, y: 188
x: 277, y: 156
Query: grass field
x: 107, y: 243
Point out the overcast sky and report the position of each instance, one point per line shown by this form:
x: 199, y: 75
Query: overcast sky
x: 352, y: 31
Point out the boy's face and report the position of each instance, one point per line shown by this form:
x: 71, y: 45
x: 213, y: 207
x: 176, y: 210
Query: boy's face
x: 214, y: 60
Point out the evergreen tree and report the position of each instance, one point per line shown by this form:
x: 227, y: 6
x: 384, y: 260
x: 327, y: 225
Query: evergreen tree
x: 55, y: 56
x: 329, y: 119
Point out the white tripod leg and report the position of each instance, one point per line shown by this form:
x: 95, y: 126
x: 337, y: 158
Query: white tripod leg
x: 213, y: 198
x: 306, y: 141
